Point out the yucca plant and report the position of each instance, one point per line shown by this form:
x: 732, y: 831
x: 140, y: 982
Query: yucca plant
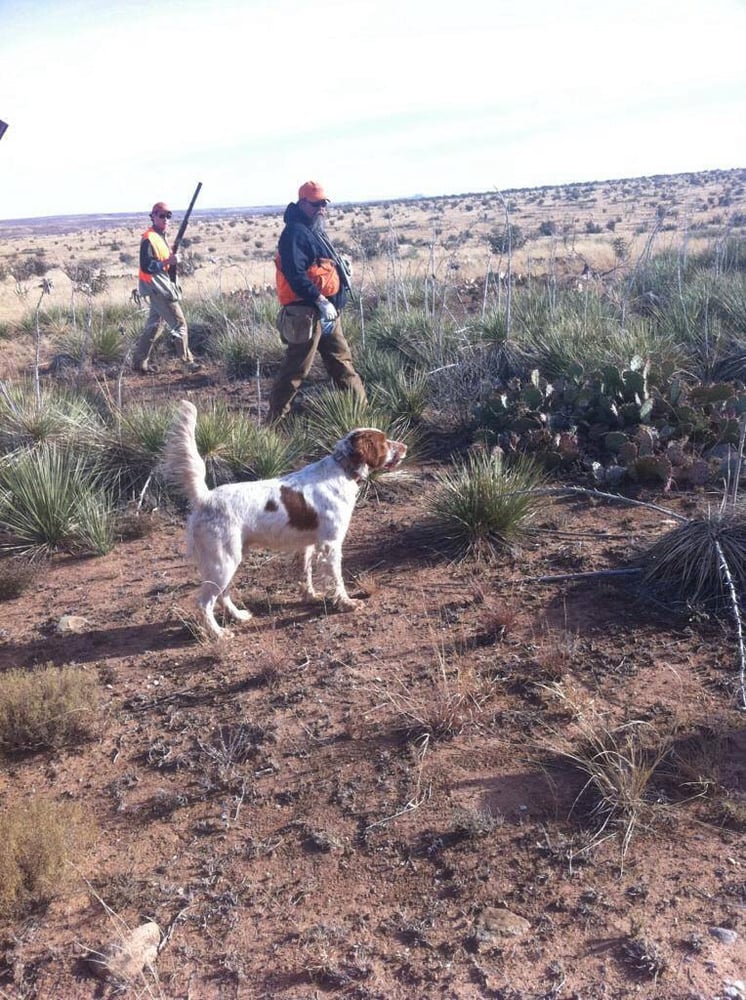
x: 403, y: 395
x: 686, y: 564
x: 215, y: 436
x: 132, y: 446
x: 241, y: 349
x: 105, y: 345
x: 482, y: 505
x: 59, y: 415
x: 272, y: 453
x: 332, y: 414
x: 52, y: 498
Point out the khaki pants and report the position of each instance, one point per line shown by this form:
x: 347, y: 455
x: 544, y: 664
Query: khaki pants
x: 163, y: 313
x: 337, y: 357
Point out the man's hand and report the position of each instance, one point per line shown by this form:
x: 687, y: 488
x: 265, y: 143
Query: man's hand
x: 326, y: 310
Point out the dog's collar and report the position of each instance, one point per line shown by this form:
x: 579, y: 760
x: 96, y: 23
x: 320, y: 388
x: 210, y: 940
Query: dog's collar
x: 351, y: 471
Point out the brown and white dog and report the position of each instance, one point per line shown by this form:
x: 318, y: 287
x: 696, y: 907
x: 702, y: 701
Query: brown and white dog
x: 307, y: 512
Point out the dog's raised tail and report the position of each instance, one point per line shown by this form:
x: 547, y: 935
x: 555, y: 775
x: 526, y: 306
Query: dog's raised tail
x: 182, y: 463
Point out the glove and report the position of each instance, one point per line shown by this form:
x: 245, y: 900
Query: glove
x: 327, y: 312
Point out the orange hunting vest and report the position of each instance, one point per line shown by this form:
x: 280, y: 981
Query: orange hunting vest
x: 322, y: 273
x: 160, y: 249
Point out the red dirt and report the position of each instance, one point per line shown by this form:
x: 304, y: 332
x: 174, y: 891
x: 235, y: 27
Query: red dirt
x: 337, y: 854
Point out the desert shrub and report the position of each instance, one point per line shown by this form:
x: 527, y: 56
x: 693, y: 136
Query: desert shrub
x: 504, y: 238
x: 52, y: 498
x: 17, y: 575
x: 481, y: 505
x: 47, y: 708
x: 39, y: 838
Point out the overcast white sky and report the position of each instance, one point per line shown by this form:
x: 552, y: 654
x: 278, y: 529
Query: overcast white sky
x: 113, y: 105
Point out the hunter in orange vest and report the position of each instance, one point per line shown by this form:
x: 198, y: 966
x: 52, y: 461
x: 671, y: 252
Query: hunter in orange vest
x: 163, y: 294
x: 312, y: 294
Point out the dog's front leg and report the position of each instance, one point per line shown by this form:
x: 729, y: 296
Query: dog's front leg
x: 309, y: 554
x: 341, y: 598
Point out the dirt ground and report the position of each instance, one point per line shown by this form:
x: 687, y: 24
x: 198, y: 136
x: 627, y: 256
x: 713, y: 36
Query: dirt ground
x: 278, y: 804
x: 370, y: 805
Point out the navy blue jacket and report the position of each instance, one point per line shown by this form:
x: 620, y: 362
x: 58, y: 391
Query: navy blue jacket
x: 300, y: 246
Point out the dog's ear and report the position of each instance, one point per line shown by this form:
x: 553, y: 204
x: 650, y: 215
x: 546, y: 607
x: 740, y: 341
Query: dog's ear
x: 367, y: 447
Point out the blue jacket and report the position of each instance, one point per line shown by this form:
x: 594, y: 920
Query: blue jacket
x: 301, y: 245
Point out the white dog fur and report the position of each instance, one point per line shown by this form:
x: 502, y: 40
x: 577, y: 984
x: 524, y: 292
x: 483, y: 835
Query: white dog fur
x: 306, y: 512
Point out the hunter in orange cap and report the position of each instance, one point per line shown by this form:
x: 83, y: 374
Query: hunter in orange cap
x: 313, y: 284
x: 312, y: 191
x: 162, y: 292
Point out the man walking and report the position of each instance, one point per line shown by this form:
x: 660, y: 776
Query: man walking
x: 154, y: 282
x: 312, y: 295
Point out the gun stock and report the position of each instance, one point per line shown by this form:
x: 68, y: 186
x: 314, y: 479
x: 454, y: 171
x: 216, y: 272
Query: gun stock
x: 182, y: 229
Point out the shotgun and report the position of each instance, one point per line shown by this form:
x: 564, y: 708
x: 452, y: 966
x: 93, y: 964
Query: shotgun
x: 182, y: 230
x: 340, y: 264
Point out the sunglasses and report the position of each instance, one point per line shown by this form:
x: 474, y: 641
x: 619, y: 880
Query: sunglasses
x: 319, y: 204
x: 163, y: 215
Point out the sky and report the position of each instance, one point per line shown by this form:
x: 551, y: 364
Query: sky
x: 114, y: 105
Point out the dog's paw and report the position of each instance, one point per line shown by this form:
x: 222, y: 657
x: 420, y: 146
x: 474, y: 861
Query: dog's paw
x: 349, y: 604
x: 242, y: 615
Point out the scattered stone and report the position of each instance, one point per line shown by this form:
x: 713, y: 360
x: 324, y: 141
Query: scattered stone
x: 125, y: 960
x: 72, y: 623
x: 724, y: 934
x: 734, y: 989
x: 495, y: 923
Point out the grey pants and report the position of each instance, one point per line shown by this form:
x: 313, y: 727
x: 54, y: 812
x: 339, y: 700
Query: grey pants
x: 163, y: 313
x: 337, y: 357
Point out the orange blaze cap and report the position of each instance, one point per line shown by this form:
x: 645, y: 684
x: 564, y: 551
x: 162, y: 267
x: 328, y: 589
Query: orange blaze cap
x: 160, y: 206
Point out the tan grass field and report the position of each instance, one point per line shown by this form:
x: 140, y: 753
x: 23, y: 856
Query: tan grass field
x: 232, y: 249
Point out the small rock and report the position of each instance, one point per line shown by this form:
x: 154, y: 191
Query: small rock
x: 495, y: 922
x: 124, y: 960
x: 724, y: 934
x: 72, y: 623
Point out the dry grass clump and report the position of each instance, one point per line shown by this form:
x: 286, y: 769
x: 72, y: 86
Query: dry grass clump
x: 643, y: 956
x: 18, y: 575
x: 686, y: 564
x: 47, y: 708
x: 617, y: 766
x: 39, y: 838
x: 440, y: 708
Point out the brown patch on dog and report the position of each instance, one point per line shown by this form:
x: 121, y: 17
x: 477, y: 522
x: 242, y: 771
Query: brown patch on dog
x: 368, y: 447
x: 270, y: 505
x: 300, y: 515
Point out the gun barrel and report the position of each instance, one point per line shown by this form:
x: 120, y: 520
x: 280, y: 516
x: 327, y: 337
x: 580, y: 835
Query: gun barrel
x: 182, y: 230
